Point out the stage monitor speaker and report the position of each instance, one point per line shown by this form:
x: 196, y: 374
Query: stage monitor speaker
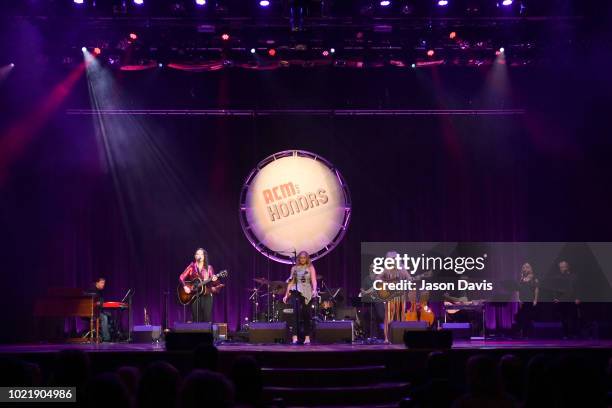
x: 187, y: 341
x: 264, y: 332
x: 339, y: 331
x: 145, y: 334
x: 397, y: 329
x: 346, y: 313
x: 547, y: 330
x: 204, y: 327
x: 430, y: 339
x: 460, y: 330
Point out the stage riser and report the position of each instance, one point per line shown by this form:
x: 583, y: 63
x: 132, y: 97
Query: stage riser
x: 340, y: 396
x: 281, y: 377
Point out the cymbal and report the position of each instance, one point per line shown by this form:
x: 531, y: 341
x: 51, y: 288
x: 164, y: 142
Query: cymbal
x: 261, y: 281
x: 278, y: 287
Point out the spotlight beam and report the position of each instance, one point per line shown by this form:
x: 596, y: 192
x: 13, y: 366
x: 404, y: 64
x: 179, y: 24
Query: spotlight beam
x: 20, y: 134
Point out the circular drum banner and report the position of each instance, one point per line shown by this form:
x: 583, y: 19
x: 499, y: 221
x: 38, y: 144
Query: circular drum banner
x: 294, y: 201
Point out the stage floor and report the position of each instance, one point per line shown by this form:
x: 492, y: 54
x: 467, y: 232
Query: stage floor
x: 332, y: 348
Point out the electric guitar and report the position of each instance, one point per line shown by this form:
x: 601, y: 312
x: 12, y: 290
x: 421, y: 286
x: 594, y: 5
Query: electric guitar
x: 199, y: 287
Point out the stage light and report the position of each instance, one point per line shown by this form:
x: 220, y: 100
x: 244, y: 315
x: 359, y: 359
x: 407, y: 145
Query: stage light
x: 442, y: 2
x: 430, y: 53
x: 253, y: 50
x: 78, y: 1
x: 413, y: 65
x: 83, y: 49
x: 139, y: 2
x: 200, y: 2
x: 325, y: 53
x: 332, y: 50
x: 160, y: 65
x: 225, y: 36
x: 264, y: 3
x: 385, y: 3
x: 271, y: 52
x: 452, y: 35
x: 97, y: 51
x: 12, y: 65
x: 507, y: 2
x: 502, y: 49
x: 133, y: 36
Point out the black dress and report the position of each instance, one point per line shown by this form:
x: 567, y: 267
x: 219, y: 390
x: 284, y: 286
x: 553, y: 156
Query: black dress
x: 527, y: 311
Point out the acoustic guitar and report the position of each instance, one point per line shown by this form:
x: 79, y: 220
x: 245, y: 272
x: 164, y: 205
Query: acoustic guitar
x: 199, y: 287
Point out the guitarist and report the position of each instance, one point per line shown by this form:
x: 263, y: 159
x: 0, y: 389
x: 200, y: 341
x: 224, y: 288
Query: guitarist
x: 201, y: 307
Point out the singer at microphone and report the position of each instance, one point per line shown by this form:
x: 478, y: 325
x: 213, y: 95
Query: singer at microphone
x: 301, y: 288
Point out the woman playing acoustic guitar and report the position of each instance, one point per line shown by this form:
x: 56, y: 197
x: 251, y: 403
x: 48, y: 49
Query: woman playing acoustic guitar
x: 201, y: 307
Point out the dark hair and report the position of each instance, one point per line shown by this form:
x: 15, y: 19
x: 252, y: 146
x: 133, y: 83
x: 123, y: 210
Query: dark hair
x: 100, y: 278
x: 205, y: 256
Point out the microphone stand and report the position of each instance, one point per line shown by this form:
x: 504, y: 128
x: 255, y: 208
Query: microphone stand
x: 296, y: 299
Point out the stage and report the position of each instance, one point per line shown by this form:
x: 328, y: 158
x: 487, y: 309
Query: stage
x: 228, y: 347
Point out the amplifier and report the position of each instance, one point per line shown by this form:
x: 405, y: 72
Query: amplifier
x: 220, y: 331
x: 338, y: 331
x: 460, y: 330
x: 264, y: 332
x: 397, y: 329
x: 145, y: 334
x: 203, y: 327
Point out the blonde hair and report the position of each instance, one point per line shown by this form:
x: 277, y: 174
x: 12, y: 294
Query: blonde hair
x: 308, y: 262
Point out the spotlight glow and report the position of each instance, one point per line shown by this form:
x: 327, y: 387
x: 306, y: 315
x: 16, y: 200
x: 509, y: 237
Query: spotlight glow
x: 78, y: 1
x: 332, y: 50
x: 264, y: 3
x: 507, y: 2
x: 97, y: 51
x: 200, y: 2
x: 271, y: 52
x: 225, y: 36
x: 413, y: 65
x: 325, y: 53
x: 133, y: 36
x: 385, y: 3
x: 253, y: 50
x: 430, y: 53
x: 83, y: 49
x: 12, y: 65
x: 442, y: 2
x: 502, y: 49
x: 139, y: 2
x: 452, y: 35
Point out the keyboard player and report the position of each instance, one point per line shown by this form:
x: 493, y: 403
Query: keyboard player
x: 98, y: 288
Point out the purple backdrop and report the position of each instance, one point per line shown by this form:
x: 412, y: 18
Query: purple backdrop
x: 133, y: 202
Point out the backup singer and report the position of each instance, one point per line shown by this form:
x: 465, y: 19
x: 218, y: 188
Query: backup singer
x: 303, y: 278
x: 528, y: 293
x: 567, y: 300
x: 201, y: 308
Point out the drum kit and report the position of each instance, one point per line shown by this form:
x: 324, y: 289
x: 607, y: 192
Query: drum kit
x: 323, y: 307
